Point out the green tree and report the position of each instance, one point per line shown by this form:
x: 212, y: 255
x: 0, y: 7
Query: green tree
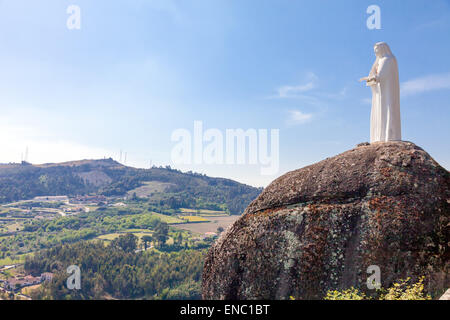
x: 161, y: 233
x: 179, y: 239
x: 146, y: 239
x: 127, y: 242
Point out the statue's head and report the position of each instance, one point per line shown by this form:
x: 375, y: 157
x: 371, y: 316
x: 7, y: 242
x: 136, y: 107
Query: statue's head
x: 382, y: 50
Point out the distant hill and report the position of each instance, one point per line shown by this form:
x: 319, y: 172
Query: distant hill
x: 162, y: 186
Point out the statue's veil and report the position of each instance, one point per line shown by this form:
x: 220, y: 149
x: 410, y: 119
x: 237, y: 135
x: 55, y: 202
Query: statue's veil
x: 385, y: 52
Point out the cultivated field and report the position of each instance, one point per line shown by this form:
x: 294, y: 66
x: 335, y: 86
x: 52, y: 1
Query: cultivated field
x: 211, y: 226
x: 167, y: 219
x: 194, y: 219
x: 203, y: 212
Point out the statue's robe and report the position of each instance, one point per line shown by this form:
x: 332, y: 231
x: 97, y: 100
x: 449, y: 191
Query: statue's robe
x: 385, y: 118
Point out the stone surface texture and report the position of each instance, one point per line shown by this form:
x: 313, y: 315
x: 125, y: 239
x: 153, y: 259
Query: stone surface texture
x: 320, y: 227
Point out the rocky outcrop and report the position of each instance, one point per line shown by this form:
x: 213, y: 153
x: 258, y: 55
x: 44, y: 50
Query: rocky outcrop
x: 320, y: 228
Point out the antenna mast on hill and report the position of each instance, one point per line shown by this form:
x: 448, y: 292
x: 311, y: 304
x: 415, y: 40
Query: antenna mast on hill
x: 120, y: 158
x: 125, y: 160
x: 26, y: 154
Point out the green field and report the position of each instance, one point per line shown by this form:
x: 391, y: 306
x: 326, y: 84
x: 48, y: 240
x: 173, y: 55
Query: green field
x: 110, y: 236
x: 9, y: 261
x: 167, y: 219
x: 194, y: 219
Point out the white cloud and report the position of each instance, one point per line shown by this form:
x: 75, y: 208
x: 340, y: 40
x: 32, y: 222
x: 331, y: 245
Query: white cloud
x: 298, y: 117
x: 425, y: 84
x: 293, y: 91
x: 15, y: 139
x: 307, y: 92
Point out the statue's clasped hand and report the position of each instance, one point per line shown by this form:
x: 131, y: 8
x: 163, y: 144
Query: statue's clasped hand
x: 368, y: 79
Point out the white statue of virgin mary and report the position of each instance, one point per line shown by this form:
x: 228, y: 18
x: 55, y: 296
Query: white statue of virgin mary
x: 383, y: 79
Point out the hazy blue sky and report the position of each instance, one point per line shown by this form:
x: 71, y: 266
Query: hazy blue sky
x: 139, y: 69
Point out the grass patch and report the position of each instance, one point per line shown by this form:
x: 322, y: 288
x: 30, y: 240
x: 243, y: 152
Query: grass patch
x: 28, y: 290
x: 9, y: 261
x: 14, y: 227
x: 167, y: 219
x: 109, y: 236
x: 194, y: 219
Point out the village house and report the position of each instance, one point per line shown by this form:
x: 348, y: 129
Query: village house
x: 86, y: 199
x: 47, y: 276
x: 16, y: 283
x: 20, y: 282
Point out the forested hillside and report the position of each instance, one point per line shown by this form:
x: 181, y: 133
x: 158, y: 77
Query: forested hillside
x: 117, y: 271
x: 174, y: 189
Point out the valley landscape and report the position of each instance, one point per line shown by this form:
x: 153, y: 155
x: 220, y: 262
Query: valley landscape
x: 156, y: 223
